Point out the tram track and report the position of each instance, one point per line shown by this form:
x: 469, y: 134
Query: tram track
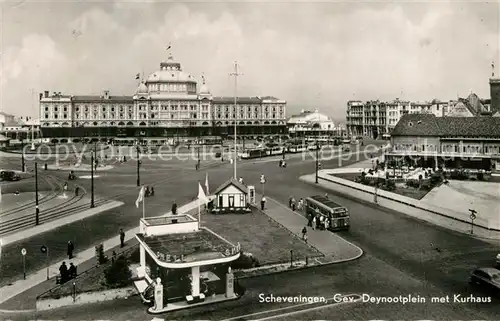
x: 53, y: 182
x: 62, y: 210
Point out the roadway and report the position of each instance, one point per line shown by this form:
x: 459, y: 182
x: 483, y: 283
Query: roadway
x: 402, y: 255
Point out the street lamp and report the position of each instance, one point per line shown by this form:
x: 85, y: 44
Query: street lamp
x: 138, y: 165
x: 317, y: 160
x: 92, y: 164
x: 37, y: 209
x: 22, y: 155
x: 472, y: 218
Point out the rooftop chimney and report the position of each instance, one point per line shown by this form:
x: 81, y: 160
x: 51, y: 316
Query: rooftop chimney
x: 41, y: 96
x: 106, y: 94
x: 46, y: 93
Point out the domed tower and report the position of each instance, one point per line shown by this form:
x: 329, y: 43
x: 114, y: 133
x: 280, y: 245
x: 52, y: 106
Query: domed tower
x: 142, y: 89
x: 204, y: 90
x: 170, y: 80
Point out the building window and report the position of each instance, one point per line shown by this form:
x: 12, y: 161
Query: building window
x: 65, y: 116
x: 55, y: 116
x: 104, y: 109
x: 55, y: 108
x: 46, y: 116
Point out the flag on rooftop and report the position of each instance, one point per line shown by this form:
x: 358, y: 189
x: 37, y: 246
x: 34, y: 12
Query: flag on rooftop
x: 137, y: 77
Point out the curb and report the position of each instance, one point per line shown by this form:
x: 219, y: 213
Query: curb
x: 299, y: 268
x: 17, y: 311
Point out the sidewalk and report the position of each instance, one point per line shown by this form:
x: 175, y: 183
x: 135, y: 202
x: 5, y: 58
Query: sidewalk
x: 22, y: 293
x: 335, y: 248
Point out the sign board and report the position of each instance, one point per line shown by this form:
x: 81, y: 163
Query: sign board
x: 473, y: 216
x: 23, y: 252
x: 43, y: 249
x: 262, y: 179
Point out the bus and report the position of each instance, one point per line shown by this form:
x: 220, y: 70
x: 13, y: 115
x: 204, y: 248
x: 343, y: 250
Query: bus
x: 337, y: 214
x: 253, y: 153
x: 276, y: 150
x: 296, y: 148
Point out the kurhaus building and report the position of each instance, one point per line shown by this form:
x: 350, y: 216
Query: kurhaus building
x: 455, y: 142
x: 169, y: 103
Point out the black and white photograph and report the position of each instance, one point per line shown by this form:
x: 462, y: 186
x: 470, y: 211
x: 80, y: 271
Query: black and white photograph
x: 249, y: 160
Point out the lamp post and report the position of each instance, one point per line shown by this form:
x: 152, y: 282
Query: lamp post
x: 235, y: 74
x: 92, y: 161
x: 22, y: 155
x: 472, y: 218
x: 138, y: 165
x: 37, y: 209
x: 317, y: 160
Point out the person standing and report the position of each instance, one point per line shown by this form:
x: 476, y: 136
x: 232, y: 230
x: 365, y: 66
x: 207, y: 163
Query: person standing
x: 122, y: 238
x: 263, y: 203
x: 174, y: 208
x: 314, y: 222
x: 72, y: 271
x: 63, y: 271
x: 71, y: 248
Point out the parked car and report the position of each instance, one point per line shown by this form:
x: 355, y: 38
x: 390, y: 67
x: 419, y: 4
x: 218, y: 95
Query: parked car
x: 487, y: 277
x: 9, y: 176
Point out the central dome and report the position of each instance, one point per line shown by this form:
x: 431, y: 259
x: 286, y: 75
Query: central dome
x: 170, y: 71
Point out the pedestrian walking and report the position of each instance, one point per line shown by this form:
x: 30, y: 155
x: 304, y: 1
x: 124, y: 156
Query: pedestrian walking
x: 304, y: 233
x: 294, y: 204
x: 71, y: 248
x: 77, y: 190
x: 174, y: 208
x: 314, y: 222
x: 122, y: 238
x: 309, y: 219
x: 152, y: 192
x: 263, y: 203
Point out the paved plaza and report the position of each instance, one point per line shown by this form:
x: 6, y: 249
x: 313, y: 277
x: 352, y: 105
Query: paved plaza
x: 397, y: 245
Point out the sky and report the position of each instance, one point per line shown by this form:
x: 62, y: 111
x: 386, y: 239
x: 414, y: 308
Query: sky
x: 314, y: 55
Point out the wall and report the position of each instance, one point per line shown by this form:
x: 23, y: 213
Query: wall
x: 185, y: 227
x: 84, y: 298
x: 231, y: 191
x: 454, y: 221
x: 414, y: 144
